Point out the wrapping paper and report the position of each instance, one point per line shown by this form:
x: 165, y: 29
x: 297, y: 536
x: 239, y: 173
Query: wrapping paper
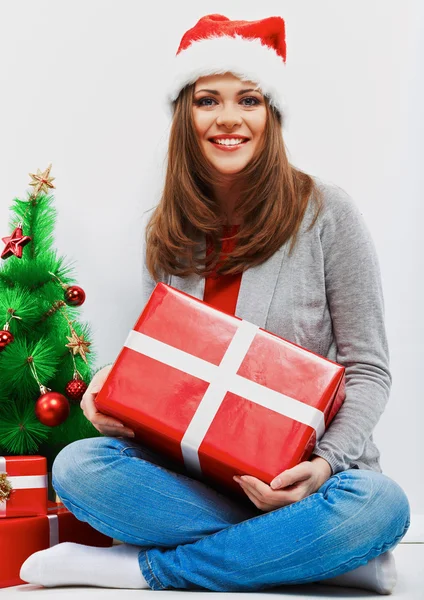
x: 28, y: 477
x: 22, y: 536
x: 218, y: 394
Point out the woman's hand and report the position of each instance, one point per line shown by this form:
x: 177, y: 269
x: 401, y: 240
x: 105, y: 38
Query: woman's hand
x: 103, y: 423
x: 300, y: 481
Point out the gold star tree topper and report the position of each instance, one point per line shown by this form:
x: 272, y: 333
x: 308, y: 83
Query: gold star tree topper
x: 78, y: 344
x: 42, y: 181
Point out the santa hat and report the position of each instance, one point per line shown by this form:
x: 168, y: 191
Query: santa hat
x: 251, y: 50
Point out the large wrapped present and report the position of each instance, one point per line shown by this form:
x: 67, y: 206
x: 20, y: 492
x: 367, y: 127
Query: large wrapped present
x: 23, y: 486
x: 218, y: 394
x: 22, y: 536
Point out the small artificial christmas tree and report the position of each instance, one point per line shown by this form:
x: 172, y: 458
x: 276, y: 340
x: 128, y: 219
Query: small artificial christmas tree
x: 44, y: 352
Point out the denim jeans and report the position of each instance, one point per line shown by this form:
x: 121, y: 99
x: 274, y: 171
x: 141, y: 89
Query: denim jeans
x: 193, y: 537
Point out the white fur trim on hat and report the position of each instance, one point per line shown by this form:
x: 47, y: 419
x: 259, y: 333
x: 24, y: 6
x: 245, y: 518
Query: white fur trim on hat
x: 247, y: 59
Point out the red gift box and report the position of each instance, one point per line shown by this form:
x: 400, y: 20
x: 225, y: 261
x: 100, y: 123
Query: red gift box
x: 22, y: 536
x: 28, y: 477
x: 218, y: 394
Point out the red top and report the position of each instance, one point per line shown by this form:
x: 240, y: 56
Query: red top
x: 222, y: 291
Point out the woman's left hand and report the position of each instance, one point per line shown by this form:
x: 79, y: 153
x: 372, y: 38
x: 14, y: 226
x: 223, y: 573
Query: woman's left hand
x: 300, y: 481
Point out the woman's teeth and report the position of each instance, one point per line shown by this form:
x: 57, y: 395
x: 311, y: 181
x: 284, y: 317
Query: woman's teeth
x: 232, y: 142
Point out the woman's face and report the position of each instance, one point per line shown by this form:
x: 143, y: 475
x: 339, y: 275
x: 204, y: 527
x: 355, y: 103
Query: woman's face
x: 224, y: 106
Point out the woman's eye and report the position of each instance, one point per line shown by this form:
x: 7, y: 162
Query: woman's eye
x: 199, y: 102
x: 202, y: 100
x: 251, y: 98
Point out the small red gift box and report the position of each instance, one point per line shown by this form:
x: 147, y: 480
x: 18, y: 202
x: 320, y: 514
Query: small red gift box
x: 218, y: 394
x: 27, y: 478
x: 22, y: 536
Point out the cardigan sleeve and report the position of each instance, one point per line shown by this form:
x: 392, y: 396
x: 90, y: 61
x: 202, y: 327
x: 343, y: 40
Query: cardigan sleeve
x: 355, y: 298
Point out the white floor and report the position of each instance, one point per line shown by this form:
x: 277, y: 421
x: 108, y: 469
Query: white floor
x: 409, y: 560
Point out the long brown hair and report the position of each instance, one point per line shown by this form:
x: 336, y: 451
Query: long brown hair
x: 273, y: 199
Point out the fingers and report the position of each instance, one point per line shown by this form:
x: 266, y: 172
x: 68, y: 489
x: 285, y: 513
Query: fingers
x: 260, y: 493
x: 289, y: 477
x: 89, y: 409
x: 251, y: 494
x: 88, y: 406
x: 252, y: 497
x: 114, y: 431
x: 257, y: 486
x: 110, y: 427
x: 105, y: 424
x: 264, y: 497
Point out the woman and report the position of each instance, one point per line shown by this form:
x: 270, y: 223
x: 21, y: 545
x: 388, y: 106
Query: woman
x: 242, y: 229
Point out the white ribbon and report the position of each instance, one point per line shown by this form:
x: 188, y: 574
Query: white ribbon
x: 53, y: 530
x: 21, y: 482
x: 222, y: 379
x: 54, y: 524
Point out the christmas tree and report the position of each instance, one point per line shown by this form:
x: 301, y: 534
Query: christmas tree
x: 45, y: 359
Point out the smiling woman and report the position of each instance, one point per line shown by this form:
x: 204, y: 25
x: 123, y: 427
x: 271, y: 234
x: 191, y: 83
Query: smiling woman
x: 230, y: 121
x: 293, y: 255
x: 227, y: 165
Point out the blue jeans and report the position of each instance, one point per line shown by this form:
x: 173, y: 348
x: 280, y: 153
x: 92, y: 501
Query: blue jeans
x: 193, y: 537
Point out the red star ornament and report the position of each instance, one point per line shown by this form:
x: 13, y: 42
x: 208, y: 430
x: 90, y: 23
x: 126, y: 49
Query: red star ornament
x: 15, y: 243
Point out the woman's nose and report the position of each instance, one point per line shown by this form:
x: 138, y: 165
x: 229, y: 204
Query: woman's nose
x: 229, y: 116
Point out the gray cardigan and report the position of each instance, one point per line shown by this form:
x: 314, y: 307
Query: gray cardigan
x: 326, y: 297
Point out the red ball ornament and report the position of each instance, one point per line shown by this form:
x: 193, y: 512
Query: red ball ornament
x: 6, y: 337
x: 74, y: 295
x: 75, y: 389
x: 52, y: 409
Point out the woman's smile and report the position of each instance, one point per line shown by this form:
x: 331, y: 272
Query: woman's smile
x: 228, y: 147
x: 230, y: 118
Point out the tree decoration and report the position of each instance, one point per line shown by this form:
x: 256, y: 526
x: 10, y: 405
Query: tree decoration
x: 6, y: 488
x: 45, y: 352
x: 41, y: 181
x: 15, y: 243
x: 74, y: 295
x: 52, y: 408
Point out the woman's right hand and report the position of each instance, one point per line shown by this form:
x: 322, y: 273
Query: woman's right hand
x: 103, y: 423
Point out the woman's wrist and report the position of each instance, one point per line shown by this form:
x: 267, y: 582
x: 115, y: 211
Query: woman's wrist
x: 324, y: 467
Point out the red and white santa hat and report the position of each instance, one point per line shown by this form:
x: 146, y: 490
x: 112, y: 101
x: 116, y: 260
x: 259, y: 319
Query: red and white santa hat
x: 251, y: 50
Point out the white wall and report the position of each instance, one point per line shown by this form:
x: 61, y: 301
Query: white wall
x: 81, y: 88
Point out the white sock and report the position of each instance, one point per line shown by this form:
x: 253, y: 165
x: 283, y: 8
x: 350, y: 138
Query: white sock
x: 76, y: 564
x: 378, y: 575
